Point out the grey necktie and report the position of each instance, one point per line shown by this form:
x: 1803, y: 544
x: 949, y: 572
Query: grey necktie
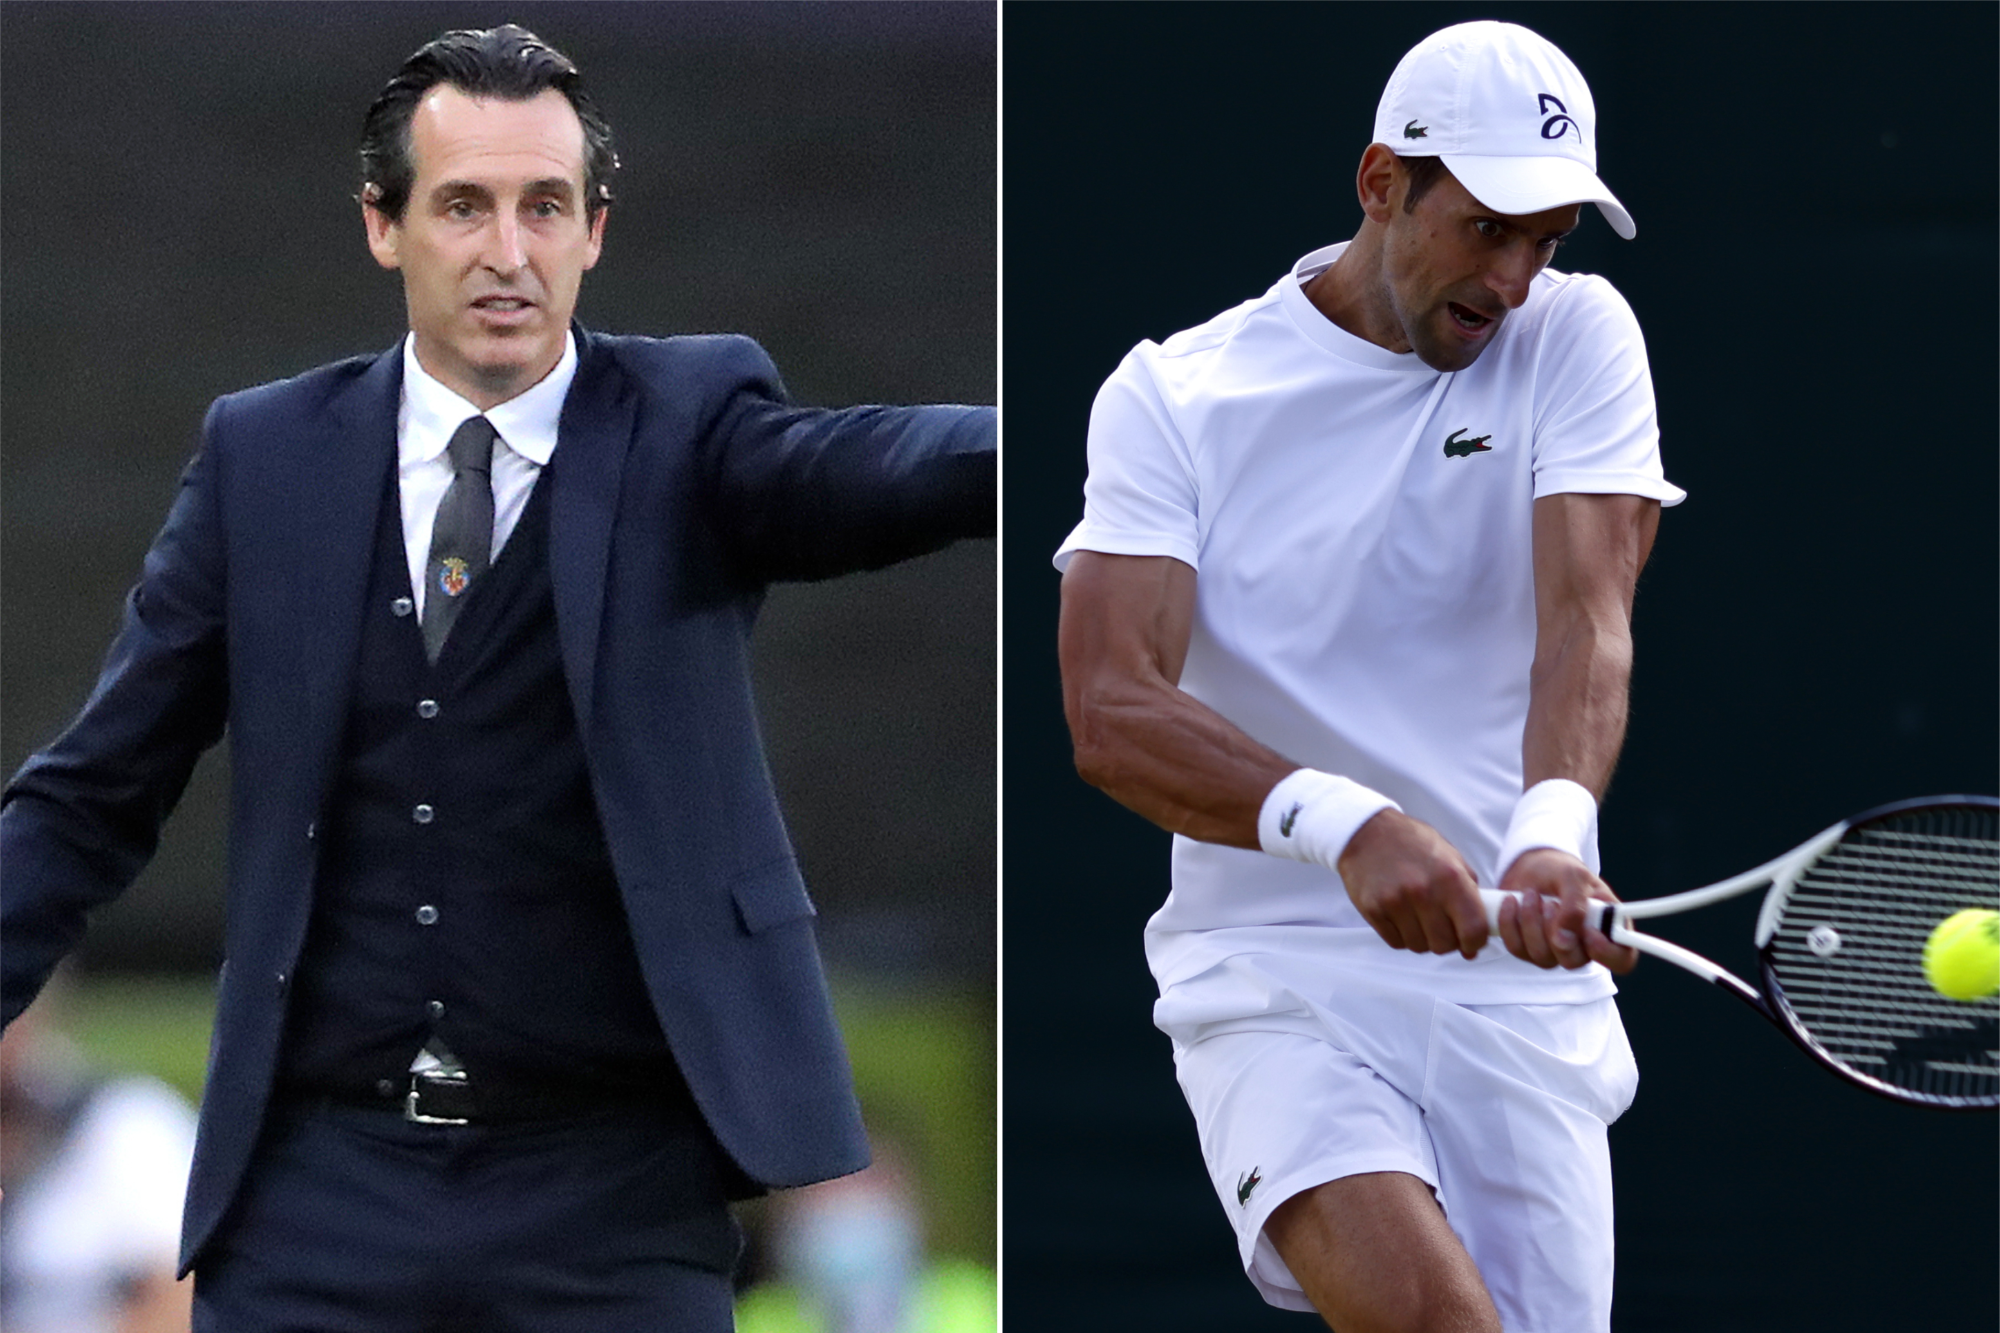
x: 462, y: 537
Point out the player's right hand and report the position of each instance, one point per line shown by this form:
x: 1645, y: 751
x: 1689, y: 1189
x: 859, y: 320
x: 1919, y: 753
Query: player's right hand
x: 1413, y: 887
x: 1543, y: 921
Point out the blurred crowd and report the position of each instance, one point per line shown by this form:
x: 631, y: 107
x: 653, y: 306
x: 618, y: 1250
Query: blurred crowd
x: 93, y: 1168
x: 848, y: 1256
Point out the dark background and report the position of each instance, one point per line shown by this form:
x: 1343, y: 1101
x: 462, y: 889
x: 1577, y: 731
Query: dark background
x: 177, y: 221
x: 1814, y: 188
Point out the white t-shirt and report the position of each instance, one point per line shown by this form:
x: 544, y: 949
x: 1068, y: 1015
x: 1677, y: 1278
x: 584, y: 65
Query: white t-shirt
x: 1361, y: 525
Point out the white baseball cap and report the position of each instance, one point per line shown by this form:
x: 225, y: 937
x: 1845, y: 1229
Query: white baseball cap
x: 1510, y: 115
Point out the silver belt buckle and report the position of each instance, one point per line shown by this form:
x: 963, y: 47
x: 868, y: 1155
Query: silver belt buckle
x: 431, y: 1079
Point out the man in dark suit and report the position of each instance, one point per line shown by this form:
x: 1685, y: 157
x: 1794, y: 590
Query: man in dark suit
x: 520, y: 981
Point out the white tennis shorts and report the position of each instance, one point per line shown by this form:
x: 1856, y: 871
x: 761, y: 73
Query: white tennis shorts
x: 1296, y: 1080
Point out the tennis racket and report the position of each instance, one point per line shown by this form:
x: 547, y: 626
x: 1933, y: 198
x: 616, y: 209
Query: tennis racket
x: 1840, y: 943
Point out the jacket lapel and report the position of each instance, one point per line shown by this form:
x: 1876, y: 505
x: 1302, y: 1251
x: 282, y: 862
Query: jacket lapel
x: 591, y: 445
x: 339, y: 480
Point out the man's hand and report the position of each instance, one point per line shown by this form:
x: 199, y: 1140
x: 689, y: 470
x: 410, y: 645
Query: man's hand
x: 1544, y: 925
x: 1413, y: 886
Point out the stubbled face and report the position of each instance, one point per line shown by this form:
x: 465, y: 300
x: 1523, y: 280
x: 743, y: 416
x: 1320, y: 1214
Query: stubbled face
x: 1453, y: 269
x: 493, y: 244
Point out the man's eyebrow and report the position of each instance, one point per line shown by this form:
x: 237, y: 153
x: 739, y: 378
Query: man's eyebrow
x: 555, y: 185
x: 1510, y: 224
x: 459, y: 189
x: 546, y: 186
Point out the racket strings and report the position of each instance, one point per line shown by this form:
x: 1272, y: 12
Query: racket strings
x: 1847, y: 956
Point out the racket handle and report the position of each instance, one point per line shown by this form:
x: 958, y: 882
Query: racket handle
x: 1597, y: 914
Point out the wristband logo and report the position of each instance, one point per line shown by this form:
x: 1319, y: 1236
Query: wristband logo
x: 1246, y: 1182
x: 1557, y: 125
x: 1289, y: 818
x: 1457, y: 448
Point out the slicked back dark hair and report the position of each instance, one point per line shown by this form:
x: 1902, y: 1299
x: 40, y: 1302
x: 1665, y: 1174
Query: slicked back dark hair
x: 1424, y: 172
x: 507, y: 62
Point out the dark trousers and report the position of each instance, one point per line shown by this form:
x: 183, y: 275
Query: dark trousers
x: 354, y: 1220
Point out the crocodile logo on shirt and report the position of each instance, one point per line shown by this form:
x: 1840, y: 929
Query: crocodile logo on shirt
x: 1289, y: 818
x: 1416, y: 131
x: 1457, y: 448
x: 1246, y: 1182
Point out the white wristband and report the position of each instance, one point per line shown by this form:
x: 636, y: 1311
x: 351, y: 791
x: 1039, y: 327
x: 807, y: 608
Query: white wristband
x: 1310, y: 816
x: 1553, y: 813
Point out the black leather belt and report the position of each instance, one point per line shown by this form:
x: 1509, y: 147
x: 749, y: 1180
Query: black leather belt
x: 433, y: 1098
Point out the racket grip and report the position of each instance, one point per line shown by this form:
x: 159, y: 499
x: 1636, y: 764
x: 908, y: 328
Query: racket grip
x: 1598, y: 914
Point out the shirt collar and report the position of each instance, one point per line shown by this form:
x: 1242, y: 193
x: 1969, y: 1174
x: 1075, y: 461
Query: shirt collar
x: 527, y: 422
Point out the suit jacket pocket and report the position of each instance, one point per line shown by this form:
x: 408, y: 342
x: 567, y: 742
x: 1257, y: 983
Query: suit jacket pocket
x: 770, y: 895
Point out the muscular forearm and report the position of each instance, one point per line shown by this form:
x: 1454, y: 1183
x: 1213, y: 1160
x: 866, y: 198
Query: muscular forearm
x: 1588, y: 553
x: 1139, y: 737
x: 1589, y: 550
x: 1159, y: 752
x: 1577, y: 704
x: 1576, y: 725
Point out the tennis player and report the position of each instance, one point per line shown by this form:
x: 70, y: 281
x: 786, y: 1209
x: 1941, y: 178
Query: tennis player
x: 1349, y: 612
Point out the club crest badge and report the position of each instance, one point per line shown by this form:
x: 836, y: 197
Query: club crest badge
x: 453, y: 576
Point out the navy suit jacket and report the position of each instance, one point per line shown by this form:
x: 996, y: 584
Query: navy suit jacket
x: 685, y: 482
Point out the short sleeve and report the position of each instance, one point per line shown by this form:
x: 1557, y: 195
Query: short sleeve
x: 1140, y: 497
x: 1597, y: 430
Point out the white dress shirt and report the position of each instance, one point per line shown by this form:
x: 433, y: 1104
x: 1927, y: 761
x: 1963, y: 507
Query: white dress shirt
x: 428, y: 416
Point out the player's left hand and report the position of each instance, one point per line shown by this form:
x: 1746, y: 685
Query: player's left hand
x: 1543, y: 923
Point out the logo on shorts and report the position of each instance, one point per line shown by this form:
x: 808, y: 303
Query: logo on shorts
x: 1289, y: 818
x: 1457, y: 448
x: 1416, y: 131
x: 1247, y: 1182
x: 1559, y: 124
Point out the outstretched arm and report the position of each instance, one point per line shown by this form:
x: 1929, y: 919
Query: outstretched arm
x: 809, y: 493
x: 1157, y: 750
x: 1588, y: 552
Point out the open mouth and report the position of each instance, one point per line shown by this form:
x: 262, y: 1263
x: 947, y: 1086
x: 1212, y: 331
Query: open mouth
x: 503, y: 304
x: 1467, y: 318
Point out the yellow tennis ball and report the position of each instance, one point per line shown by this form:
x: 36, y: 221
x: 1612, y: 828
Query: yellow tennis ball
x: 1962, y: 956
